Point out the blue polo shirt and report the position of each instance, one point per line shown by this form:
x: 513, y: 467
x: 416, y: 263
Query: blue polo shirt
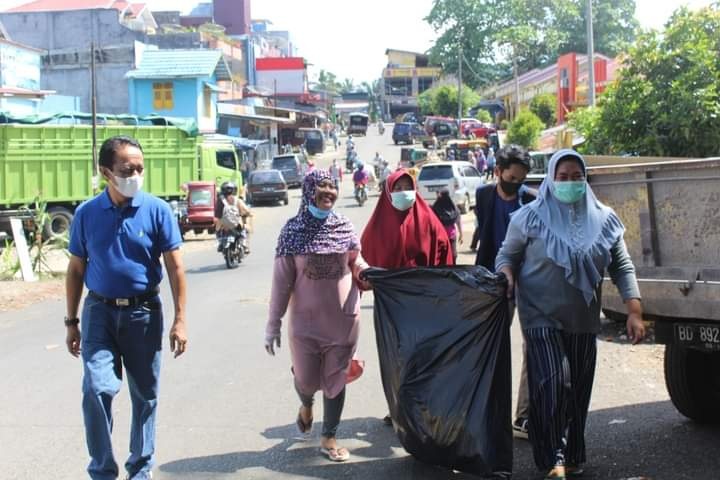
x: 122, y: 246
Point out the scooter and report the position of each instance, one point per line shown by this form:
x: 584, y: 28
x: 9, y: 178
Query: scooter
x: 360, y: 193
x: 233, y: 245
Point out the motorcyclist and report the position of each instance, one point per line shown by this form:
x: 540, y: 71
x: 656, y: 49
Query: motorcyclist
x: 350, y: 143
x: 384, y: 174
x: 378, y: 163
x: 229, y: 203
x: 360, y: 177
x: 381, y: 127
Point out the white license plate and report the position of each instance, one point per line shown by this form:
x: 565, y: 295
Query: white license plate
x: 701, y: 336
x: 436, y: 188
x: 268, y: 189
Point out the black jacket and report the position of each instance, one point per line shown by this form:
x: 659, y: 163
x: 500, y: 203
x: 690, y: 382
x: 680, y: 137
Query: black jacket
x: 484, y: 208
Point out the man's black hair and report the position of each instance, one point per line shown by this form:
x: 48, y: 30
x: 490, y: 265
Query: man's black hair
x: 512, y: 155
x: 110, y: 147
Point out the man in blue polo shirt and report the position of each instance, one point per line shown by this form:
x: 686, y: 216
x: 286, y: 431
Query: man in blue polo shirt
x: 116, y: 241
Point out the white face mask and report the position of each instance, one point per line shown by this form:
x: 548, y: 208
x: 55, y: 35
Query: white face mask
x: 128, y: 186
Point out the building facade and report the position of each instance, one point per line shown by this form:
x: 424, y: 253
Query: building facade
x: 406, y: 76
x: 66, y: 37
x: 179, y: 83
x: 567, y: 80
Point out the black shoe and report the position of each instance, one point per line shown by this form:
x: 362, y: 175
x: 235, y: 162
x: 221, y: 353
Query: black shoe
x: 387, y: 420
x: 520, y: 428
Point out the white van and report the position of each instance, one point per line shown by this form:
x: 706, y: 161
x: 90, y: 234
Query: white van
x: 460, y: 178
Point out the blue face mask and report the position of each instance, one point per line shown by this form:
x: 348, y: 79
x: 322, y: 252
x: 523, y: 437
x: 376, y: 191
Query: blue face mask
x: 570, y: 192
x: 403, y: 200
x: 318, y: 213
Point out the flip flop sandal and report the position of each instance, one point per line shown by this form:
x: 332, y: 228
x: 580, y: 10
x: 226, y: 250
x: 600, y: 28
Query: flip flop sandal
x: 337, y: 454
x: 557, y: 473
x: 304, y: 428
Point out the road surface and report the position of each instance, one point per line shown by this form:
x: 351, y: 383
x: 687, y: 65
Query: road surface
x: 227, y: 409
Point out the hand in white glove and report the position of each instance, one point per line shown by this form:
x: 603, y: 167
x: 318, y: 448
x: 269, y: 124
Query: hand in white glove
x: 272, y: 341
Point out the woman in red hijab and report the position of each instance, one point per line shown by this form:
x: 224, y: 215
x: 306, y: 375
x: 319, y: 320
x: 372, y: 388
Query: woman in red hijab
x: 403, y: 230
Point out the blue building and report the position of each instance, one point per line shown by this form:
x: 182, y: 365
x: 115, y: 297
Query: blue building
x: 179, y: 83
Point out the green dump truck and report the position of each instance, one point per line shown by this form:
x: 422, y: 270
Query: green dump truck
x: 53, y: 163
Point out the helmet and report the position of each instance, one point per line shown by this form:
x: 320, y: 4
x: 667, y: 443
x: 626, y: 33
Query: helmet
x: 228, y: 188
x: 360, y: 166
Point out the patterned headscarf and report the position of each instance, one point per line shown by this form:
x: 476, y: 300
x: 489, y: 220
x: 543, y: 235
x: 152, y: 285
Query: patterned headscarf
x: 304, y: 234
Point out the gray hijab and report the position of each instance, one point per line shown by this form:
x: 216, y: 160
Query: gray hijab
x: 579, y: 236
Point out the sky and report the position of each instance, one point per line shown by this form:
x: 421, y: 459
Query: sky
x: 349, y: 37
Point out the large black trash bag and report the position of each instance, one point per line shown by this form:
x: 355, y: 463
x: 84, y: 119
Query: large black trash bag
x: 443, y: 337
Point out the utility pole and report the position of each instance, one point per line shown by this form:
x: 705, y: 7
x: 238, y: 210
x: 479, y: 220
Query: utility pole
x: 460, y: 62
x: 517, y: 85
x: 93, y: 106
x: 590, y: 55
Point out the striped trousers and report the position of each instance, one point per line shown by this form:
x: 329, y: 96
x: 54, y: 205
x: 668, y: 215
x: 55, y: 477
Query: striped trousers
x: 561, y: 369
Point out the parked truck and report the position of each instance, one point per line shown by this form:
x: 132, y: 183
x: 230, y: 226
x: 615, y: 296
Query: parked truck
x: 53, y: 163
x: 671, y: 210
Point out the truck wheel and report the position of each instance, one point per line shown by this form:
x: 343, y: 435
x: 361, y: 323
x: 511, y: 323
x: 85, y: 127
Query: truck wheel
x: 692, y: 378
x: 58, y: 223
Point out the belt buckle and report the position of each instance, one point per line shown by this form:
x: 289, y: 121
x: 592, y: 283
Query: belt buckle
x: 122, y: 302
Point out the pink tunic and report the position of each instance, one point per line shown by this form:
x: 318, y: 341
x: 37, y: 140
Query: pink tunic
x: 324, y: 303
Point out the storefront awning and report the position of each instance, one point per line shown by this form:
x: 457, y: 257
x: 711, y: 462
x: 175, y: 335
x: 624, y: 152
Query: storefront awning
x: 215, y: 88
x: 246, y: 111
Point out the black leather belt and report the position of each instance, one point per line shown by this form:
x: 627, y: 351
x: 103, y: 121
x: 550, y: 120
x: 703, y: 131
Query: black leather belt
x: 126, y: 302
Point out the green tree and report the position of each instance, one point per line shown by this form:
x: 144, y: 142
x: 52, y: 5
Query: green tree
x: 666, y: 101
x: 327, y: 81
x: 532, y: 31
x: 525, y: 130
x: 347, y: 86
x: 544, y: 106
x: 586, y: 122
x: 484, y: 116
x: 443, y: 100
x: 373, y: 92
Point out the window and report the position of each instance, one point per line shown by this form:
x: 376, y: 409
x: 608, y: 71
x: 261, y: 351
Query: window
x: 163, y: 96
x: 471, y: 172
x: 398, y: 86
x: 436, y: 173
x: 424, y: 83
x: 226, y: 159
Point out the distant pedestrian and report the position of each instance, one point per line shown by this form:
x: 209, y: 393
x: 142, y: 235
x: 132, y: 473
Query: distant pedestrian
x: 316, y: 275
x: 490, y: 164
x: 449, y: 215
x: 116, y: 241
x: 336, y: 172
x: 556, y: 252
x: 480, y: 160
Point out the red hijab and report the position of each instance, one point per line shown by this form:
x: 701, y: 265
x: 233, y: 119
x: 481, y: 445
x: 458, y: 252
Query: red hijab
x: 413, y: 238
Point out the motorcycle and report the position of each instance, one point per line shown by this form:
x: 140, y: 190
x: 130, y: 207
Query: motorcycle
x: 360, y: 193
x: 350, y: 160
x: 233, y: 245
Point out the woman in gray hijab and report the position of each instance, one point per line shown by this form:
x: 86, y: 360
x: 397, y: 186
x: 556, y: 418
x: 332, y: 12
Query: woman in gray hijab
x: 554, y: 256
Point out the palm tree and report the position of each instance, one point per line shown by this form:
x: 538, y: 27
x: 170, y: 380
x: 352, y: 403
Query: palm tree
x: 347, y: 86
x: 373, y: 92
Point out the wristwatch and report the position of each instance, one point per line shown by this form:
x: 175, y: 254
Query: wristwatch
x: 70, y: 322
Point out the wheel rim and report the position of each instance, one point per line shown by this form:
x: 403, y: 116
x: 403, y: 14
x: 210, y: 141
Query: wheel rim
x: 59, y: 225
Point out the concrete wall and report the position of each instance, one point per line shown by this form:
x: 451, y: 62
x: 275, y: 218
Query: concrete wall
x: 74, y: 28
x: 67, y: 37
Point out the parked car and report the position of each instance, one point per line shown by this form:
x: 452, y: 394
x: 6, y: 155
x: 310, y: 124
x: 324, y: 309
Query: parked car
x: 460, y: 178
x: 266, y: 186
x: 290, y: 164
x: 407, y: 132
x: 444, y: 130
x: 314, y: 140
x: 475, y: 127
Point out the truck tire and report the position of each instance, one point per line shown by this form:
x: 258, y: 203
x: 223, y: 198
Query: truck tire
x: 692, y: 378
x: 58, y: 223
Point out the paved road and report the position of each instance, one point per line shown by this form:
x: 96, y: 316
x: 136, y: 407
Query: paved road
x: 227, y: 409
